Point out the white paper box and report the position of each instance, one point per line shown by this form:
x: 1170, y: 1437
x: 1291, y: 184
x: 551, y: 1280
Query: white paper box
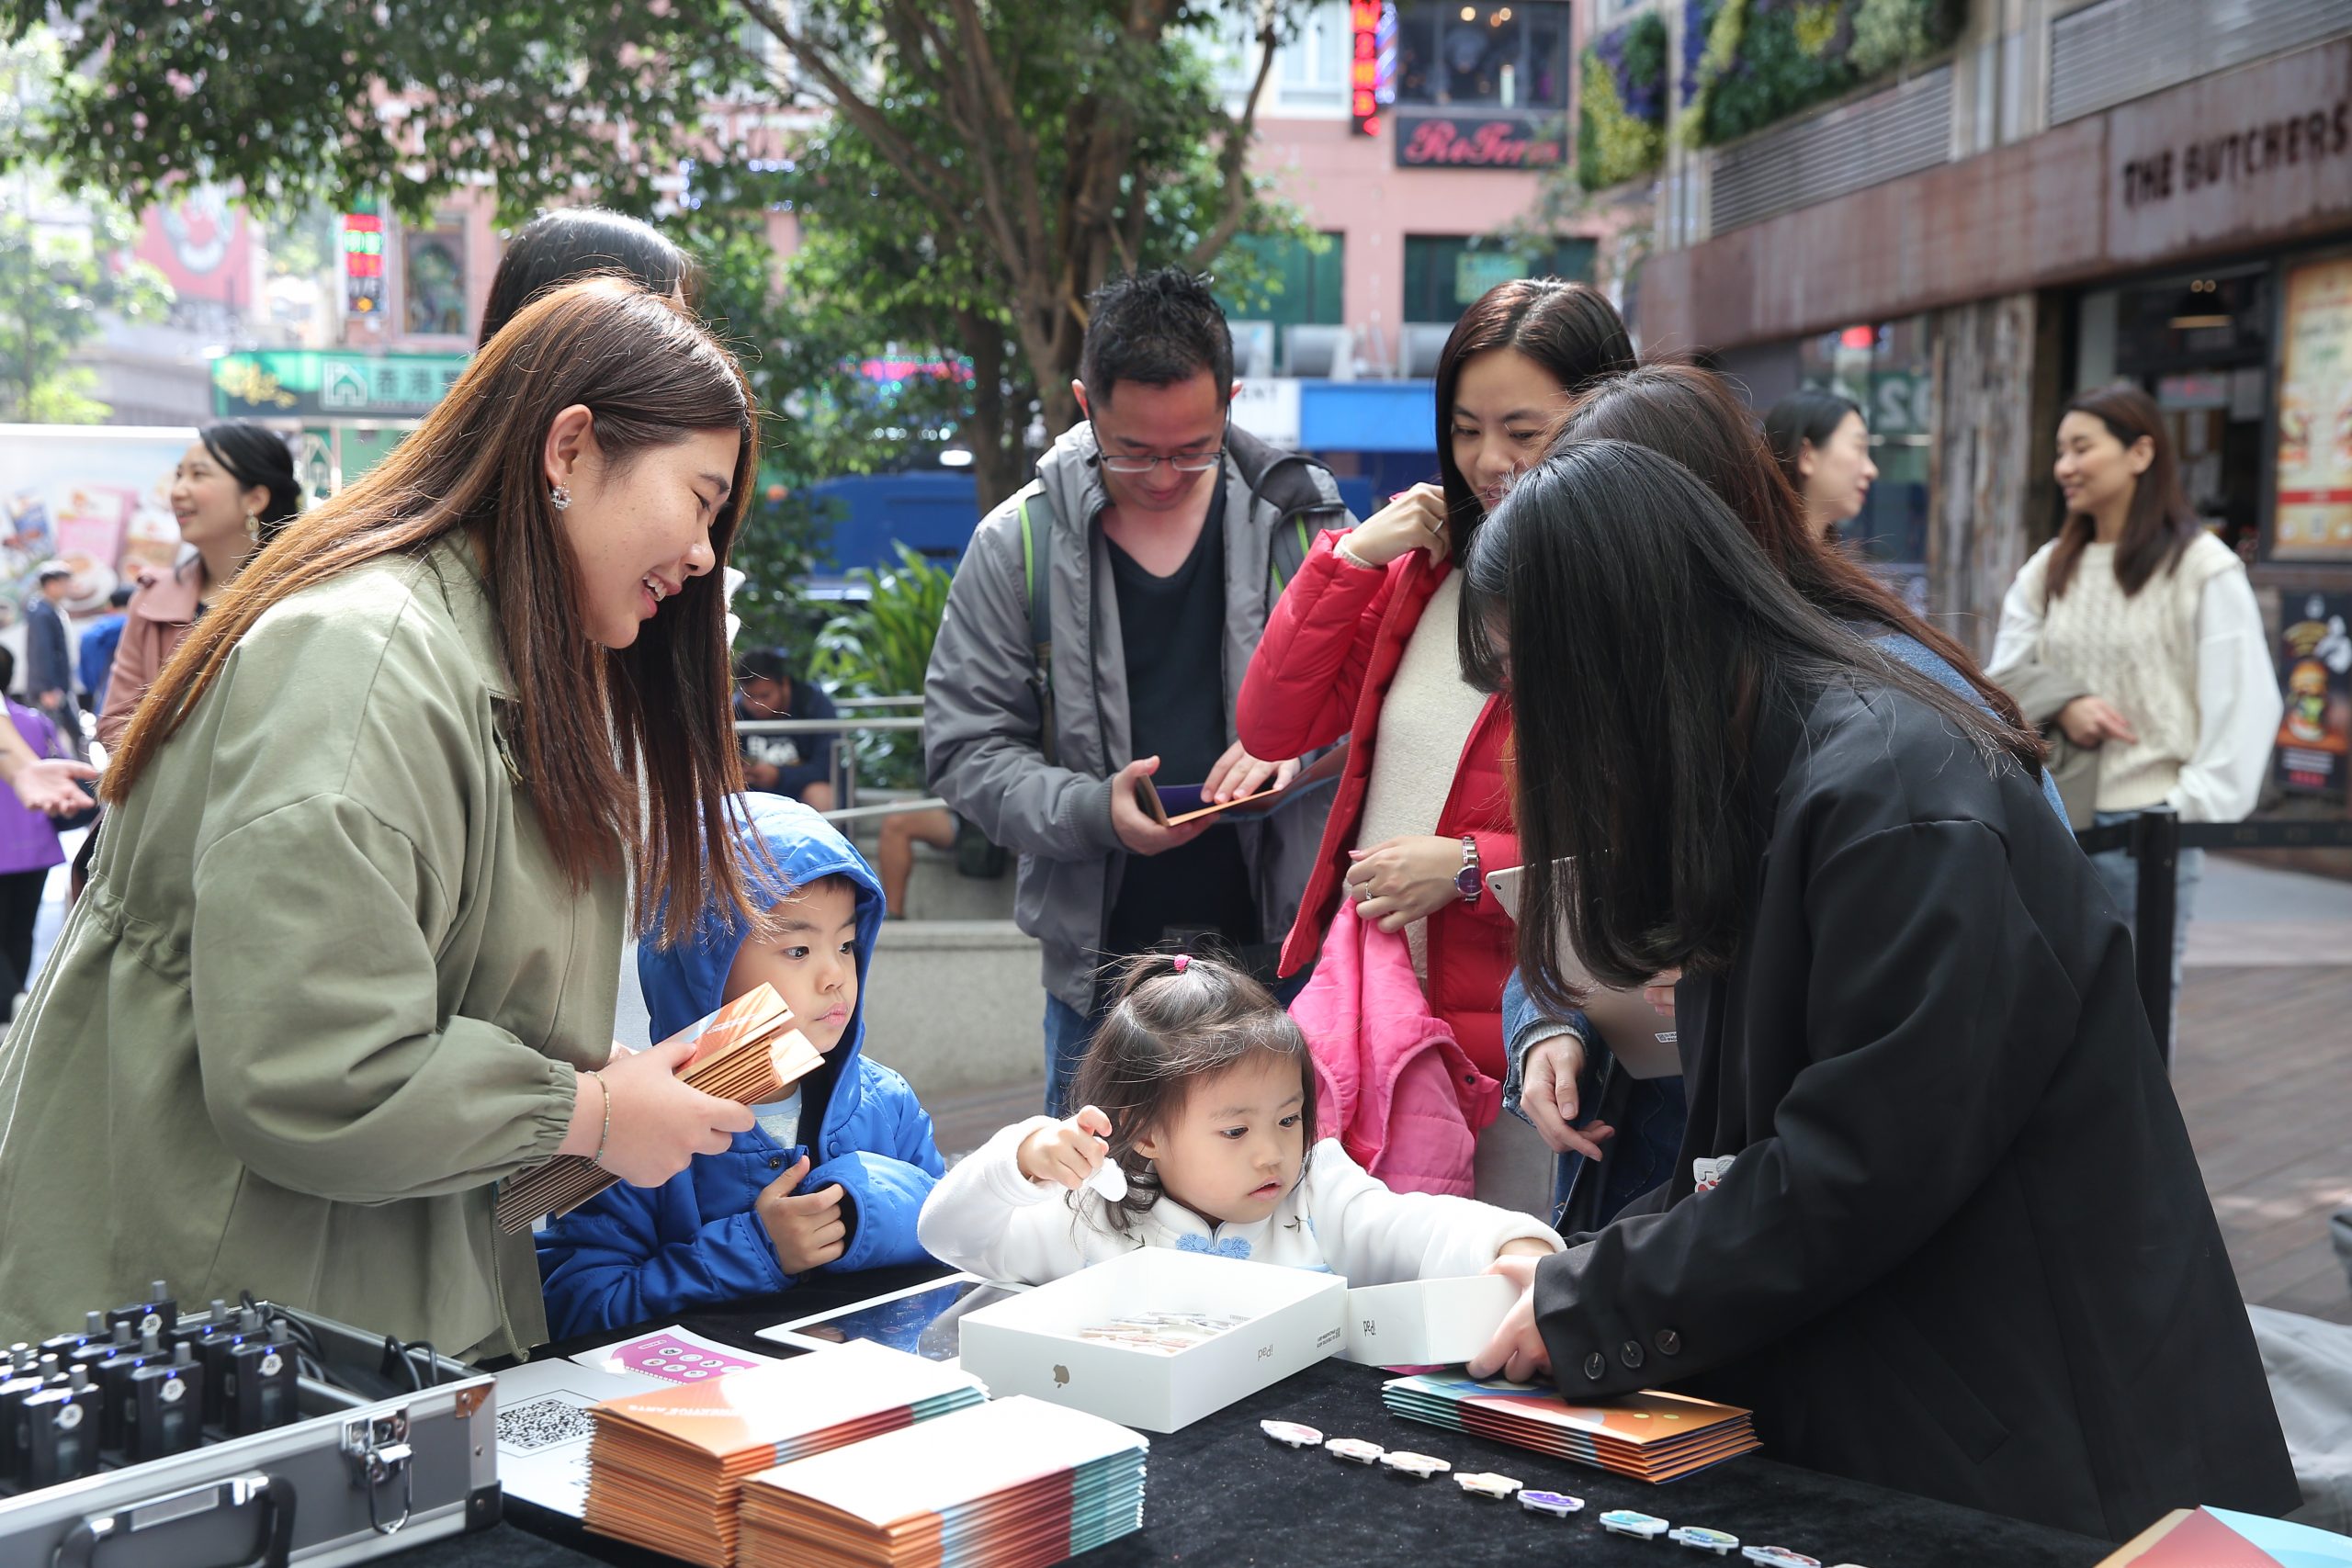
x: 1426, y: 1323
x: 1030, y: 1345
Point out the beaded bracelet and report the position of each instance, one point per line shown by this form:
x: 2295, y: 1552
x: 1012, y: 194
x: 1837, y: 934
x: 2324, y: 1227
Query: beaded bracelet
x: 604, y: 1091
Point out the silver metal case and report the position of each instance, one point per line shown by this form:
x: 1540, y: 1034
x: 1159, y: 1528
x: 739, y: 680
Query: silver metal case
x: 352, y: 1480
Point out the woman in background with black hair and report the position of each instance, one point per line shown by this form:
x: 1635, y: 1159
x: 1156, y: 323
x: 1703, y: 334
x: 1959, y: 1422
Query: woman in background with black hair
x: 1936, y: 1221
x: 572, y: 242
x: 233, y: 490
x: 1823, y: 444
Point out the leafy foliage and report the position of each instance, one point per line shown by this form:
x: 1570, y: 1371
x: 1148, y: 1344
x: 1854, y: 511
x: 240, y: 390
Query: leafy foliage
x: 63, y: 266
x: 881, y: 648
x: 1621, y: 114
x: 1759, y: 61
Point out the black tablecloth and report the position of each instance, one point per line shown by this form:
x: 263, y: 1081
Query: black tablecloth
x: 1219, y: 1492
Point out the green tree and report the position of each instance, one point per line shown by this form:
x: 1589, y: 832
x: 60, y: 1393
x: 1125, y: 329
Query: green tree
x: 1032, y: 145
x: 64, y: 265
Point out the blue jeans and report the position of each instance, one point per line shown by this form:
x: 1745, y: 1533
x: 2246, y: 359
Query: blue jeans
x: 2120, y: 873
x: 1067, y: 1034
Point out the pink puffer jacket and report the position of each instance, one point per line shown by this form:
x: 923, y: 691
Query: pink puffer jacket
x: 1395, y: 1089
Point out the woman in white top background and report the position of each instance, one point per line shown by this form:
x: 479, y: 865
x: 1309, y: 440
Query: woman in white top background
x: 2142, y: 629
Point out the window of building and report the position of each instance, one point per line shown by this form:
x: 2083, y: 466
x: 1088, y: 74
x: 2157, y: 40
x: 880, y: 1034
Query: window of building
x: 1445, y: 273
x: 1270, y: 282
x: 432, y: 277
x: 1313, y: 69
x: 1483, y: 56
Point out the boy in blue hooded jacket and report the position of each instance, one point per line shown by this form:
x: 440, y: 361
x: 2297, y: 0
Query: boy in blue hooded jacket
x: 753, y: 1220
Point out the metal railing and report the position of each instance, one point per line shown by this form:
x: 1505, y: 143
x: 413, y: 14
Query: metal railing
x: 2155, y: 838
x: 847, y: 809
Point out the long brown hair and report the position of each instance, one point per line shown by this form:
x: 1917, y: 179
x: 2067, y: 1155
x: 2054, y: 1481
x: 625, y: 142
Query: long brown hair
x: 589, y: 723
x: 1694, y: 417
x: 2160, y: 525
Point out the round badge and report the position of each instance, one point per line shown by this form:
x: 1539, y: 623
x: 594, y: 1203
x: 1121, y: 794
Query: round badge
x: 173, y: 1391
x: 272, y: 1364
x: 1630, y: 1521
x: 1779, y: 1557
x: 1486, y: 1483
x: 1420, y: 1466
x: 1354, y: 1449
x: 1292, y: 1434
x: 1558, y: 1503
x: 1702, y: 1538
x: 152, y: 1324
x: 69, y: 1417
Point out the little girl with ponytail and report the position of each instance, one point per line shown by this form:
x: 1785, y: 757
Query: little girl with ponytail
x: 1198, y: 1095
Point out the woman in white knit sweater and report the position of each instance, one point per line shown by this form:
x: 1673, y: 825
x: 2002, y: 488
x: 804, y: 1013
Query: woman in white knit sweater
x: 2147, y: 639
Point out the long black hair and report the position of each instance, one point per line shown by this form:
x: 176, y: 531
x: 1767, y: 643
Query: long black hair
x: 573, y: 242
x: 1808, y: 416
x: 256, y: 456
x: 1649, y: 636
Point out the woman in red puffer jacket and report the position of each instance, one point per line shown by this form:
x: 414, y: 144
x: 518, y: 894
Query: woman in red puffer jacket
x: 1364, y: 643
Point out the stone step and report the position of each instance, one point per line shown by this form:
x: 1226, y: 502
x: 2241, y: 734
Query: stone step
x: 958, y: 1006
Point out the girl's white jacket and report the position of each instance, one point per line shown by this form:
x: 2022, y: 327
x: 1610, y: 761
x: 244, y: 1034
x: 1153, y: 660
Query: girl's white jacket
x: 986, y: 1217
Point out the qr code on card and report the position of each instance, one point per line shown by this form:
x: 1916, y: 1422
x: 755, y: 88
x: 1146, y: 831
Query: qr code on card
x: 543, y: 1423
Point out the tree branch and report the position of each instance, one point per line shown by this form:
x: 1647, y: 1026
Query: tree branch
x: 1234, y: 159
x: 870, y: 121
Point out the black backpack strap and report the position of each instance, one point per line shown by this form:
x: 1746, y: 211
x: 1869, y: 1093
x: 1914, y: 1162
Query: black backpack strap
x: 1294, y: 485
x: 1037, y: 590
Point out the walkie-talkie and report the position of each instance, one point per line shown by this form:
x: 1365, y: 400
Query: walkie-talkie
x: 164, y: 1413
x: 13, y: 1395
x: 157, y: 1315
x: 257, y: 1387
x: 61, y: 1431
x: 113, y: 1378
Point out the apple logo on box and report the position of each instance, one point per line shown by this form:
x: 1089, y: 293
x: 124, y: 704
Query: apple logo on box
x: 1061, y: 1377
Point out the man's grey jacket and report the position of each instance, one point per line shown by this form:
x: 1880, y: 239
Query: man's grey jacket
x: 982, y: 730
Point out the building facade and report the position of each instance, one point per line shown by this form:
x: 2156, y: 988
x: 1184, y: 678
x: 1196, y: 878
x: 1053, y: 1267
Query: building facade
x: 2078, y: 192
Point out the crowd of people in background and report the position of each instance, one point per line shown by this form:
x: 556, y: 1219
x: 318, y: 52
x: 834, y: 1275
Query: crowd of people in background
x: 394, y: 778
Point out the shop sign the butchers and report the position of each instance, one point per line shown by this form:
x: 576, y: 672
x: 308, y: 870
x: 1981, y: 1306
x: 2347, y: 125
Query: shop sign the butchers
x: 2246, y: 156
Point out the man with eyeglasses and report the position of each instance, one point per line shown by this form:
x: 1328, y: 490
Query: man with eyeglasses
x: 1095, y: 639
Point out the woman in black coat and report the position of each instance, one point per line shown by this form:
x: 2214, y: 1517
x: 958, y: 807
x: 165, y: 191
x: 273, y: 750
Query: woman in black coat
x: 1951, y: 1239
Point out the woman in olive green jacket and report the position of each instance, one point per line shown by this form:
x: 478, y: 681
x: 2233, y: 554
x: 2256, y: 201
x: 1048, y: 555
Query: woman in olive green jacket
x: 349, y: 950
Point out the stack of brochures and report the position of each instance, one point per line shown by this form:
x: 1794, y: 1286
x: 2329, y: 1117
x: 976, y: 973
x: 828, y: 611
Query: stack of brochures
x: 666, y: 1469
x: 1648, y: 1437
x: 1016, y: 1483
x: 747, y: 1052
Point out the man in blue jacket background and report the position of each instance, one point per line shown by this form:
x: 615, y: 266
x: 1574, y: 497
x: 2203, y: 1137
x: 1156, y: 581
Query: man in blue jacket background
x: 832, y: 1177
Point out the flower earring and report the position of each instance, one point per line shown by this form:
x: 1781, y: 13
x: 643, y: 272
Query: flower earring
x: 252, y: 526
x: 560, y: 497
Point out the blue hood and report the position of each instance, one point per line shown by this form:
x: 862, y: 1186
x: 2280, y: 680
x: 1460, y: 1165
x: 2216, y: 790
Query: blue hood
x: 688, y: 982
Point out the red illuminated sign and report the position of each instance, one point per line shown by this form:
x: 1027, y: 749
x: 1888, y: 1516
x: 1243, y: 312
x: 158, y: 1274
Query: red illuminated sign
x: 1444, y: 140
x: 1365, y: 83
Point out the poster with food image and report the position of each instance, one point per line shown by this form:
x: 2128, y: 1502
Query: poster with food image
x: 2315, y: 671
x: 2314, y: 522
